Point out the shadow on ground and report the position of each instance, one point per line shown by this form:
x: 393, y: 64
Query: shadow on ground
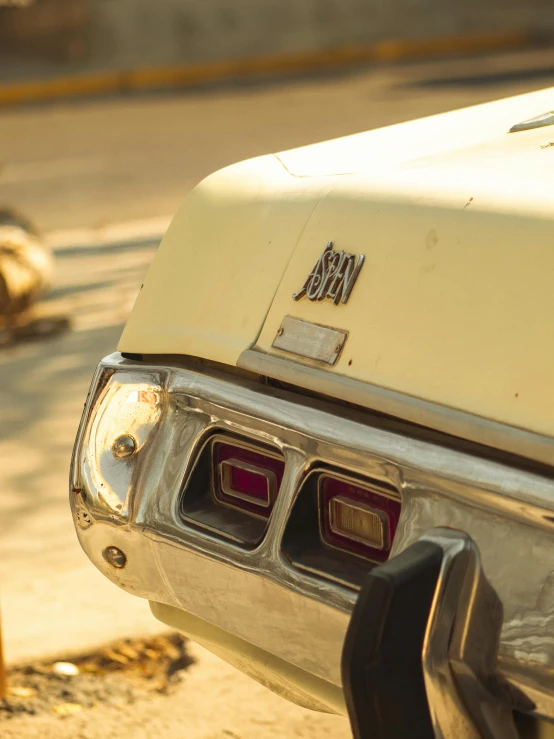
x: 43, y: 385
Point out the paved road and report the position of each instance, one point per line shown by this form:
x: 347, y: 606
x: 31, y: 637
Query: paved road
x: 76, y: 166
x: 87, y: 164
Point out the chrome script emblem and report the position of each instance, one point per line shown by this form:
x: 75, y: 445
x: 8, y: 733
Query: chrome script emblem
x: 333, y: 276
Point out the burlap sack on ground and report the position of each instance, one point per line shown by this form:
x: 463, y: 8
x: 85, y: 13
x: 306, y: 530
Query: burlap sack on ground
x: 26, y: 269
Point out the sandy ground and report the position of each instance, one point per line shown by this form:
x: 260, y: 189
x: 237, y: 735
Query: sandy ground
x: 85, y: 165
x: 210, y: 701
x: 52, y: 599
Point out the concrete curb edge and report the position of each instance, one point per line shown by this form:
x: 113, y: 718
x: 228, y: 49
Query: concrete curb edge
x: 142, y: 79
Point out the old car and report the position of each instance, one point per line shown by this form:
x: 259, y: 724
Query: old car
x: 325, y: 446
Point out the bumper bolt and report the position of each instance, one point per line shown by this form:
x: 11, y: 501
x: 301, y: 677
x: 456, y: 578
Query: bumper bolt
x: 115, y: 557
x: 124, y: 446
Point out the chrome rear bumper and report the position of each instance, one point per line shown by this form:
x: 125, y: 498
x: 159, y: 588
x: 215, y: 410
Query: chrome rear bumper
x: 258, y: 595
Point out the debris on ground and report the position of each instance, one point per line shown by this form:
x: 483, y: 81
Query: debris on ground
x: 118, y: 674
x: 26, y: 272
x: 65, y: 668
x: 66, y: 709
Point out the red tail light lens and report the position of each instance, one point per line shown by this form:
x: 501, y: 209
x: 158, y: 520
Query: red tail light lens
x: 357, y: 518
x: 245, y: 478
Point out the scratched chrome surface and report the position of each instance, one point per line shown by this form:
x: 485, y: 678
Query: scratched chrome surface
x: 133, y: 504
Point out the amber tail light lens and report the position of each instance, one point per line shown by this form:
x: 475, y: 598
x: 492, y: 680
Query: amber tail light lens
x: 357, y: 519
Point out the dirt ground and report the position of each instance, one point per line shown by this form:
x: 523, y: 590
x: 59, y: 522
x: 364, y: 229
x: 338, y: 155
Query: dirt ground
x: 159, y: 687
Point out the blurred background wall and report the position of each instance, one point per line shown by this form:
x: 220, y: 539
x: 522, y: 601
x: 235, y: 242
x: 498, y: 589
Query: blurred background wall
x: 122, y: 34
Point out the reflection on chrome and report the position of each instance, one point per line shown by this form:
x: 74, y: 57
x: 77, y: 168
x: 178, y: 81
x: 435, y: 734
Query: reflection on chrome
x: 467, y: 697
x: 128, y: 407
x: 134, y: 504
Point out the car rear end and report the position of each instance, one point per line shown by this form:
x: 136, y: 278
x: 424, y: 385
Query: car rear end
x: 263, y: 453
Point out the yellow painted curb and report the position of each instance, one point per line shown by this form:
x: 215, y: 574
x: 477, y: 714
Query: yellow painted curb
x: 182, y: 76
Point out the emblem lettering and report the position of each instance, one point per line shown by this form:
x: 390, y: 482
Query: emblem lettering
x: 333, y: 276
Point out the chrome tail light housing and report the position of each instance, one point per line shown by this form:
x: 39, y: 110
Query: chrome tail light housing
x: 232, y: 488
x: 341, y: 525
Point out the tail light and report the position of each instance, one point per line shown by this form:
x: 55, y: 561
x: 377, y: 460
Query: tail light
x: 341, y: 526
x: 245, y: 478
x: 357, y: 518
x: 233, y: 487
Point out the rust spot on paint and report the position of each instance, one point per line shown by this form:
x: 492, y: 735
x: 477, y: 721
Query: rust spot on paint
x: 432, y: 239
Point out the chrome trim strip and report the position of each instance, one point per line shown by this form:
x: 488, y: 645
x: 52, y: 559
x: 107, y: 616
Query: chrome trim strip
x: 450, y: 421
x: 544, y: 119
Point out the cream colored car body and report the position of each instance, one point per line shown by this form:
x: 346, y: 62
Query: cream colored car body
x: 454, y: 304
x: 449, y: 326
